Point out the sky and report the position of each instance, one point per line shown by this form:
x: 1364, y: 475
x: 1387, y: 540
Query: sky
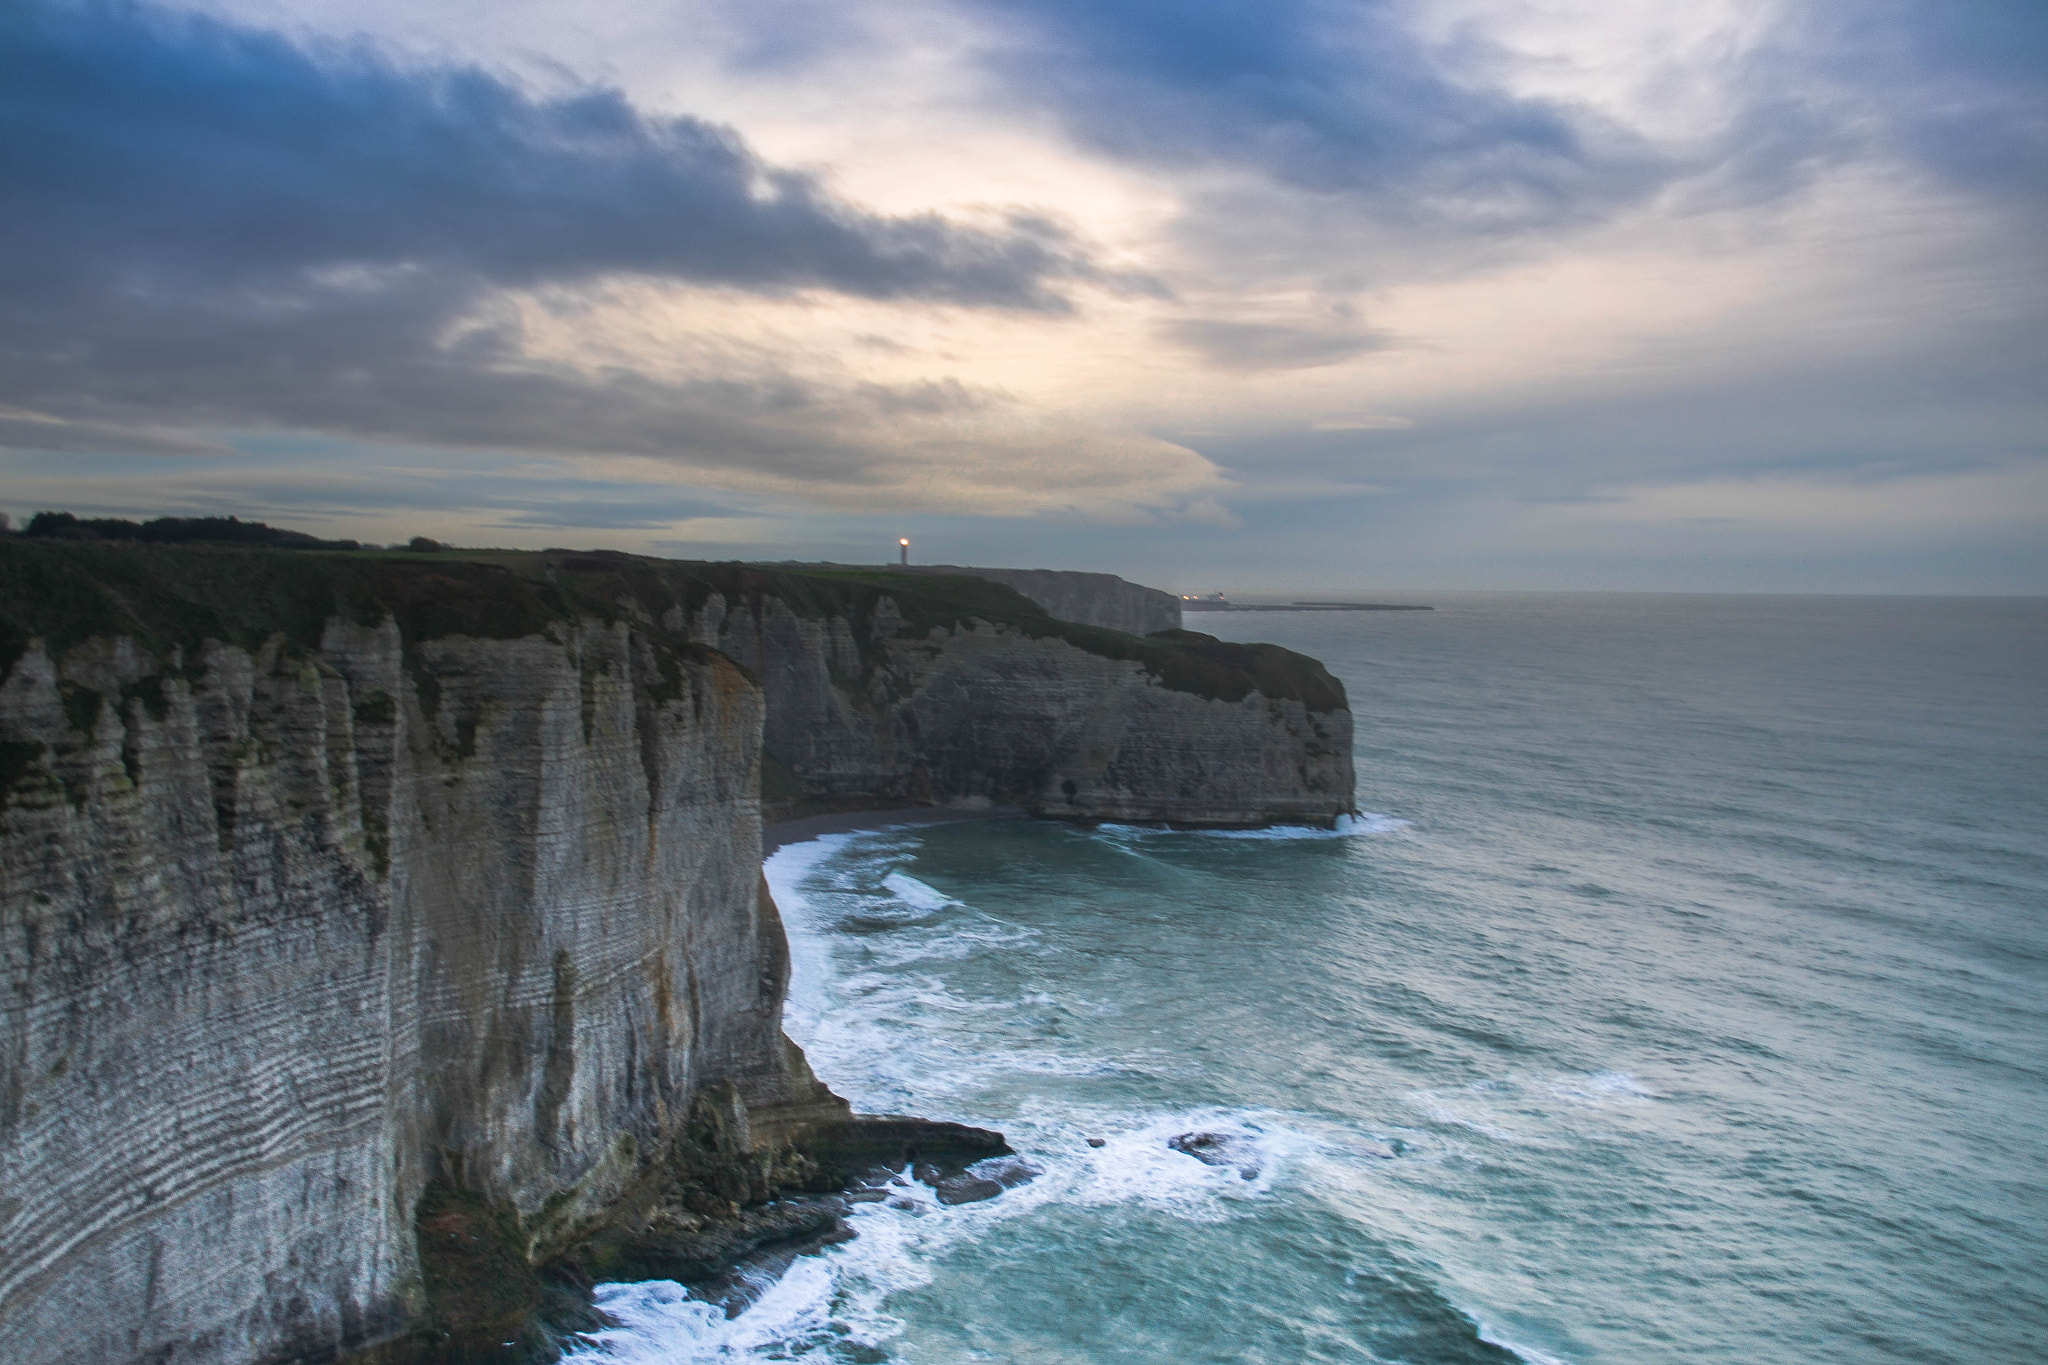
x: 1730, y: 295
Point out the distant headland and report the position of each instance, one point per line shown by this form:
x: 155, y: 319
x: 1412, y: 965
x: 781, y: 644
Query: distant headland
x: 1217, y: 602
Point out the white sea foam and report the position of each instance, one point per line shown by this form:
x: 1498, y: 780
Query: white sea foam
x: 659, y: 1324
x: 963, y: 938
x: 792, y: 863
x: 1493, y: 1336
x: 1452, y: 1110
x: 858, y: 1005
x: 787, y: 872
x: 1347, y: 827
x: 915, y: 893
x: 838, y: 1296
x: 1534, y: 1111
x: 1139, y: 1165
x: 864, y: 1012
x: 1601, y: 1089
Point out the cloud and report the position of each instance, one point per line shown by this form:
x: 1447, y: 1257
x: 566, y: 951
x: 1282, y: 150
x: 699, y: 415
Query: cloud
x: 1334, y: 100
x: 648, y: 513
x: 174, y: 150
x: 210, y: 227
x: 1270, y: 346
x: 1384, y: 140
x: 1370, y: 422
x: 1956, y: 89
x: 995, y: 464
x: 33, y: 431
x: 1911, y: 504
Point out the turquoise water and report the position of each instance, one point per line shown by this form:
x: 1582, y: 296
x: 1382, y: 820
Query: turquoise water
x: 1680, y: 1000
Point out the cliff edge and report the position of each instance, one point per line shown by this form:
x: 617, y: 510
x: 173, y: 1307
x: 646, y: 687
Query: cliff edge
x: 956, y: 691
x: 357, y: 904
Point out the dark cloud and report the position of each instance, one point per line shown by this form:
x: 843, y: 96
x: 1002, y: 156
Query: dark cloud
x: 1329, y: 99
x: 207, y: 225
x: 1270, y: 346
x: 169, y: 149
x: 1346, y: 109
x: 1958, y: 86
x: 1955, y: 91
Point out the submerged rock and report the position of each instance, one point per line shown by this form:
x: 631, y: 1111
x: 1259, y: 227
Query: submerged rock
x: 985, y: 1180
x: 872, y: 1149
x: 1221, y: 1149
x: 966, y: 1189
x: 961, y: 1165
x: 1007, y: 1171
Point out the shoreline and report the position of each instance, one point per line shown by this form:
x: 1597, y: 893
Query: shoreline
x: 782, y: 833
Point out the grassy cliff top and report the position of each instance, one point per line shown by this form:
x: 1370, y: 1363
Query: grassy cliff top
x: 166, y: 596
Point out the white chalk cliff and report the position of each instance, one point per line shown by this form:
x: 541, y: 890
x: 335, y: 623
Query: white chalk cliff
x: 325, y: 878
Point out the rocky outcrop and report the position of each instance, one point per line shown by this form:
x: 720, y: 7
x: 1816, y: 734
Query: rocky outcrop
x: 866, y: 707
x: 376, y: 931
x: 1086, y: 599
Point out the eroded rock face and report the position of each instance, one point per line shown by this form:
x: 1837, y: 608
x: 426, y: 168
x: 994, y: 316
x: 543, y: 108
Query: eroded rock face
x: 289, y: 933
x: 861, y: 708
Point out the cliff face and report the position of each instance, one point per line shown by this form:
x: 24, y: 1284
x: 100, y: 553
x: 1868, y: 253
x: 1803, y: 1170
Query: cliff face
x: 866, y: 708
x: 329, y: 880
x: 290, y: 930
x: 1087, y: 599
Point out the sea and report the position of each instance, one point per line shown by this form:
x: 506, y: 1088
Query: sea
x: 1679, y: 995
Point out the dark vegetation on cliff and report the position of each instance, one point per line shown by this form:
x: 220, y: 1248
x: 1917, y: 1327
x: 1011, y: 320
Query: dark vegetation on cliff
x: 169, y: 597
x: 175, y: 531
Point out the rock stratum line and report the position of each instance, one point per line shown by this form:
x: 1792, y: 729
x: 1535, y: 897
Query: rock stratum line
x: 384, y: 940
